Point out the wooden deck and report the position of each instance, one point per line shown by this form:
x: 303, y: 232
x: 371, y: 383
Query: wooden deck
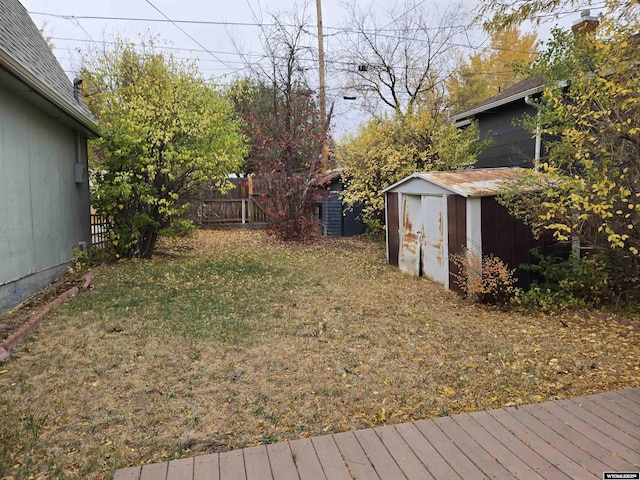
x: 579, y: 438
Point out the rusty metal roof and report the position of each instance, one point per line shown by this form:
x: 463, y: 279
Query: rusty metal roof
x: 480, y: 182
x: 475, y: 183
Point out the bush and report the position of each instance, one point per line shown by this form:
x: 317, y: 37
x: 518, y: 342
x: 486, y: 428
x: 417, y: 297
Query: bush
x: 488, y: 281
x: 569, y: 283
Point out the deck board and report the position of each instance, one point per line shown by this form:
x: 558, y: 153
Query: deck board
x: 333, y: 464
x: 455, y: 457
x: 611, y: 444
x: 476, y: 453
x: 428, y: 455
x: 256, y: 463
x: 206, y: 467
x: 563, y: 438
x: 597, y: 411
x: 130, y: 473
x: 559, y: 440
x: 518, y: 447
x: 232, y: 466
x: 601, y: 425
x: 402, y: 454
x: 541, y: 446
x: 632, y: 395
x: 306, y: 460
x: 623, y: 402
x: 355, y: 458
x: 181, y: 469
x: 379, y: 456
x: 493, y: 446
x: 283, y: 466
x: 154, y: 471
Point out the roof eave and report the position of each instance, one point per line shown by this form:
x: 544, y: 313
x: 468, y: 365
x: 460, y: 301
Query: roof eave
x: 497, y: 103
x: 24, y: 75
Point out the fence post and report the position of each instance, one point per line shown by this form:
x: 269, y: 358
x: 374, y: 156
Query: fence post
x: 244, y: 211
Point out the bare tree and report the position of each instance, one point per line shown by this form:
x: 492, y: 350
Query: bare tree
x: 397, y: 62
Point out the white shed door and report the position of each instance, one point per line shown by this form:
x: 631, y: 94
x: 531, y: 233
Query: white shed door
x: 434, y: 248
x: 411, y: 227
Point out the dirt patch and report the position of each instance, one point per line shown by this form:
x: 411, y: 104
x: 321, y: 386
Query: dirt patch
x: 12, y: 321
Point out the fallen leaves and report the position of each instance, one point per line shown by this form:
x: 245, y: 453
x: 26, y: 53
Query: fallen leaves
x: 230, y: 339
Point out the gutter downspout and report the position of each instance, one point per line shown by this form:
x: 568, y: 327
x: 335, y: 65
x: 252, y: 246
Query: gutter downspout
x: 536, y: 159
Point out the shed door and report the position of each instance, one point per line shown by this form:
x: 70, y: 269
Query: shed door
x: 434, y: 256
x: 409, y: 261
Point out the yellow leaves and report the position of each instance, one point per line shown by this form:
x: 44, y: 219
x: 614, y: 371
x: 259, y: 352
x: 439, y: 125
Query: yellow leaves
x: 446, y: 390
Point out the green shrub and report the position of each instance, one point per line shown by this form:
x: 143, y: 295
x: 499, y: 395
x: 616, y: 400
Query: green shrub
x: 569, y: 283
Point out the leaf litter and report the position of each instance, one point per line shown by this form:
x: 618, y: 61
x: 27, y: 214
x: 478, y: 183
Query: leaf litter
x: 229, y: 339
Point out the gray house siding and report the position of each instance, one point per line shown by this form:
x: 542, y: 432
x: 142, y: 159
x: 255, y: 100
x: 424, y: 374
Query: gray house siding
x: 44, y: 211
x: 44, y: 189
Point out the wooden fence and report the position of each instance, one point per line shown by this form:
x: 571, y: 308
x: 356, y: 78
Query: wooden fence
x: 239, y: 206
x: 226, y: 211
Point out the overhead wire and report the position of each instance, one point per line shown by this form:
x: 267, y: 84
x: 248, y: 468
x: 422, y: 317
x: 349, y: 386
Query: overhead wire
x: 188, y: 35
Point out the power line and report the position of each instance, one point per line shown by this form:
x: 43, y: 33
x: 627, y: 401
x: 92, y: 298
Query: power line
x: 187, y: 34
x: 158, y: 20
x: 339, y: 30
x: 163, y: 47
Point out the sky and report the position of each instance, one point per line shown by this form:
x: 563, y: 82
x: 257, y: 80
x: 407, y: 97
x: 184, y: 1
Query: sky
x: 222, y: 46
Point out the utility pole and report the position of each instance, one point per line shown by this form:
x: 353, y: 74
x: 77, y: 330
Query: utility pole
x: 323, y: 90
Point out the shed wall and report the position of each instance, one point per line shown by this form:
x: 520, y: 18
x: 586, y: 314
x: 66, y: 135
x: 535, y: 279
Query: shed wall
x: 393, y: 227
x: 332, y: 214
x: 44, y: 211
x: 507, y: 238
x: 457, y: 234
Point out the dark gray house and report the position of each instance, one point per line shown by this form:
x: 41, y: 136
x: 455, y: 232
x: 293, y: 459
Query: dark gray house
x: 44, y: 188
x: 499, y: 119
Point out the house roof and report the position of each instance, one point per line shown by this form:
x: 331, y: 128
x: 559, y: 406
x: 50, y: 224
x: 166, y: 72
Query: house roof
x: 482, y: 182
x: 327, y: 177
x: 515, y: 92
x: 24, y: 53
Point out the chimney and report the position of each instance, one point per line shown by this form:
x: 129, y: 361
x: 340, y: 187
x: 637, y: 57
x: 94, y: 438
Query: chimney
x: 586, y: 24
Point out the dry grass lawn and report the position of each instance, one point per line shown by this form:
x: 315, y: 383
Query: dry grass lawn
x: 228, y: 339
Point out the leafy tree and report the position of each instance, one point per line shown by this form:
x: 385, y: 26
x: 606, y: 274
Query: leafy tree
x: 282, y: 121
x: 164, y: 130
x: 590, y: 107
x: 388, y: 148
x: 497, y: 15
x: 492, y: 69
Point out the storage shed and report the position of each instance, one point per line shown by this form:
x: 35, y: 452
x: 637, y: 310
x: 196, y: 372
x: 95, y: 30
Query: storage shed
x: 430, y: 216
x: 336, y: 218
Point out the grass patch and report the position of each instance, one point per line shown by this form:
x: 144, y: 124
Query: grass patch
x: 229, y: 339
